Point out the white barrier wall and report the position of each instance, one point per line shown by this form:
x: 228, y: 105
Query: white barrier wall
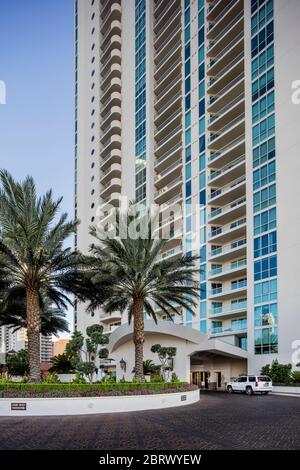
x: 85, y: 406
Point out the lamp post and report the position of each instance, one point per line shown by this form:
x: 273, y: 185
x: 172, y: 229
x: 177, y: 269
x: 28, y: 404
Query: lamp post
x: 123, y: 365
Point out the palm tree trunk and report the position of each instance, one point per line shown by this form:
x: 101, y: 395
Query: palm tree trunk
x: 33, y: 334
x: 138, y: 338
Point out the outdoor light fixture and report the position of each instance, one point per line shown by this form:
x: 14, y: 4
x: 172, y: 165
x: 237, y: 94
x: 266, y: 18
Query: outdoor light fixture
x: 123, y: 364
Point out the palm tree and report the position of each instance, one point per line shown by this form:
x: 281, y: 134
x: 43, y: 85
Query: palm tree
x: 138, y: 280
x: 13, y: 313
x: 33, y: 256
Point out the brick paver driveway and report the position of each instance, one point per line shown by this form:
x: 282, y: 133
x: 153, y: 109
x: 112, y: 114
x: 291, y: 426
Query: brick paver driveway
x: 218, y: 421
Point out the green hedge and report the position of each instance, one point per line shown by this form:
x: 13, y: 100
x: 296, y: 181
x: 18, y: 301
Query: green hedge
x: 43, y: 387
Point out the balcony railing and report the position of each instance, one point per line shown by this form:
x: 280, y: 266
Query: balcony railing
x: 237, y: 327
x: 232, y: 267
x: 223, y: 150
x: 168, y: 153
x: 228, y: 290
x: 167, y: 188
x: 220, y: 250
x: 219, y: 114
x: 168, y: 137
x: 221, y: 15
x: 227, y: 127
x: 213, y: 99
x: 227, y: 228
x: 227, y: 208
x: 213, y: 42
x: 232, y: 43
x: 237, y: 307
x: 226, y: 168
x: 226, y: 188
x: 225, y: 69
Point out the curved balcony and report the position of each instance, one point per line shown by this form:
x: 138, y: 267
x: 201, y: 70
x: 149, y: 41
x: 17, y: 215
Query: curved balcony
x: 113, y: 199
x: 114, y: 85
x: 114, y: 71
x: 113, y: 171
x: 108, y: 318
x: 114, y: 42
x: 114, y: 57
x: 114, y: 29
x: 112, y: 144
x: 113, y: 186
x: 110, y: 159
x: 114, y: 128
x: 113, y: 13
x: 114, y: 99
x: 113, y: 114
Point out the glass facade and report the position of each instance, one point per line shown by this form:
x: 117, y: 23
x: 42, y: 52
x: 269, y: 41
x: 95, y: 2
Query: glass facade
x: 202, y: 163
x: 140, y: 100
x: 264, y: 178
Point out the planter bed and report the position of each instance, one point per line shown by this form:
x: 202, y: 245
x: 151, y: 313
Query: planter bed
x: 55, y: 401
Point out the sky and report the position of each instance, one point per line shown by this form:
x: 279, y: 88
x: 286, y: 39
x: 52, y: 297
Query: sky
x: 37, y: 121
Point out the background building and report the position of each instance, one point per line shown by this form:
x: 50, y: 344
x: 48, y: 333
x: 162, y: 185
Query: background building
x: 15, y: 341
x: 59, y: 346
x: 189, y: 102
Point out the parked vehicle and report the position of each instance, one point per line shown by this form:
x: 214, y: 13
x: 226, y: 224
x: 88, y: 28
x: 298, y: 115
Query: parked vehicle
x: 250, y: 384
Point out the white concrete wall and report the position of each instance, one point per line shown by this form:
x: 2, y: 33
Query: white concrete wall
x: 181, y: 360
x: 87, y: 406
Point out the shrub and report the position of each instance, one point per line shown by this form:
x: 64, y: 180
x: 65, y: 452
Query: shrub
x: 157, y: 378
x: 5, y: 380
x: 279, y: 373
x: 79, y: 379
x: 62, y: 364
x: 43, y: 390
x: 18, y: 363
x: 51, y: 378
x: 296, y: 377
x: 72, y: 387
x: 174, y: 377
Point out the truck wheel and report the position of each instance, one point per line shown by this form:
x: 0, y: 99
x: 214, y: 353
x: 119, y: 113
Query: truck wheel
x: 249, y: 390
x: 229, y: 389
